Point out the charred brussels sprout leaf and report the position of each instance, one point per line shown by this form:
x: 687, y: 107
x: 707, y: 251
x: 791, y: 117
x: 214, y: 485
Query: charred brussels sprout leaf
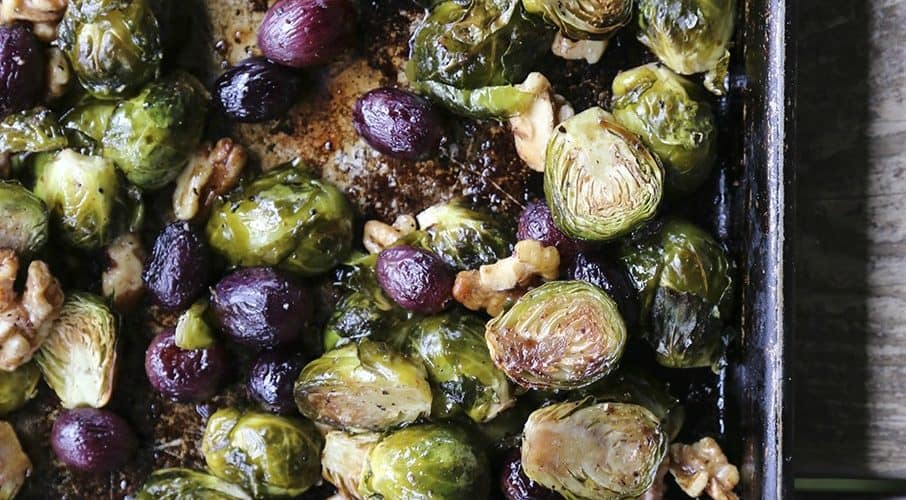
x: 151, y: 136
x: 685, y: 282
x: 584, y: 19
x: 31, y: 131
x: 18, y: 387
x: 628, y: 386
x: 113, y: 45
x: 426, y: 461
x: 561, y: 335
x: 609, y: 450
x: 672, y: 118
x: 78, y: 359
x: 178, y: 484
x: 23, y: 219
x: 463, y: 376
x: 363, y: 386
x: 286, y: 218
x: 599, y: 179
x: 268, y: 454
x: 344, y: 459
x: 463, y: 238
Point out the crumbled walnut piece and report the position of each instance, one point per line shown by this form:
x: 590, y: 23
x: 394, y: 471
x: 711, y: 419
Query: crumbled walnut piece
x: 122, y: 280
x: 34, y: 11
x: 467, y: 290
x: 703, y: 468
x: 58, y: 75
x: 573, y: 50
x: 532, y: 129
x: 211, y: 172
x: 14, y: 463
x: 25, y: 321
x: 379, y: 235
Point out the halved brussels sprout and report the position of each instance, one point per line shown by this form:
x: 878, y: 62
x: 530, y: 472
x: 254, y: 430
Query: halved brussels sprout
x: 81, y: 193
x: 672, y: 118
x: 31, y: 131
x: 18, y: 387
x: 345, y: 458
x: 629, y: 386
x: 363, y: 386
x: 268, y: 454
x: 462, y: 237
x: 600, y: 181
x: 78, y: 359
x: 23, y: 219
x: 426, y: 461
x: 583, y: 449
x: 151, y: 136
x: 14, y: 463
x: 584, y: 19
x: 685, y: 283
x: 561, y: 335
x: 113, y: 45
x: 181, y: 484
x: 286, y: 218
x: 192, y: 329
x: 463, y: 376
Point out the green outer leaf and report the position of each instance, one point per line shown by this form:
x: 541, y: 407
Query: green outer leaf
x: 192, y: 330
x: 462, y: 237
x: 31, y: 131
x: 24, y: 219
x: 501, y: 101
x: 86, y: 123
x: 18, y: 387
x: 183, y: 484
x: 583, y: 19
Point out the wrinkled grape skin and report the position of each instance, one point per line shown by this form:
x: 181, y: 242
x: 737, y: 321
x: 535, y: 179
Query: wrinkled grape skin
x: 178, y: 269
x: 398, y: 123
x: 92, y: 440
x: 536, y: 223
x: 271, y: 380
x: 415, y: 279
x: 185, y: 375
x: 516, y: 486
x: 610, y: 277
x: 21, y: 69
x: 301, y: 33
x: 256, y: 90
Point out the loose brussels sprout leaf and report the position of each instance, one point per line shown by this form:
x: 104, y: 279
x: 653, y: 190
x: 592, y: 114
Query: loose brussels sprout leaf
x: 689, y: 36
x: 78, y: 359
x: 600, y: 181
x: 86, y: 123
x: 628, y: 386
x: 463, y: 238
x: 685, y: 283
x: 672, y: 118
x: 344, y: 459
x: 583, y: 19
x: 463, y: 376
x: 81, y: 193
x: 426, y: 461
x: 269, y: 455
x: 286, y: 218
x: 151, y: 136
x: 181, y: 484
x: 18, y: 387
x: 561, y: 335
x: 584, y: 449
x: 14, y: 463
x: 192, y: 330
x: 23, y: 219
x: 363, y: 386
x: 31, y: 131
x: 498, y: 101
x: 113, y: 45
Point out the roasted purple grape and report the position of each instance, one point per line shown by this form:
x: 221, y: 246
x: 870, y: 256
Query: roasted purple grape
x: 256, y: 90
x: 516, y: 486
x: 21, y: 69
x: 178, y: 269
x: 184, y: 374
x: 610, y: 277
x: 92, y: 440
x: 536, y: 223
x: 271, y: 380
x: 300, y: 33
x: 398, y: 123
x: 415, y: 279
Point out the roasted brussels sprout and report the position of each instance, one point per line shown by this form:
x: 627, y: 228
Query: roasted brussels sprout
x: 583, y: 19
x: 31, y: 131
x: 268, y: 454
x: 23, y: 219
x: 86, y: 123
x: 151, y: 136
x: 583, y: 449
x: 78, y: 359
x: 179, y: 484
x: 462, y: 375
x: 462, y: 237
x: 18, y: 387
x: 113, y: 45
x: 344, y: 460
x: 600, y: 181
x: 365, y: 311
x: 685, y: 282
x: 426, y: 461
x: 285, y: 218
x: 636, y: 387
x: 672, y: 118
x: 82, y: 193
x: 561, y: 335
x: 192, y: 330
x: 363, y: 386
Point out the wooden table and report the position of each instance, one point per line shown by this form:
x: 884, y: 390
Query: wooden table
x: 850, y: 360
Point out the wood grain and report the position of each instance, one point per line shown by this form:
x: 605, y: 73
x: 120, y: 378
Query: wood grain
x: 850, y: 364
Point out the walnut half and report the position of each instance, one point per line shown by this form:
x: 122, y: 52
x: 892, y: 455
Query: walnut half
x: 533, y: 128
x: 703, y: 468
x: 212, y: 171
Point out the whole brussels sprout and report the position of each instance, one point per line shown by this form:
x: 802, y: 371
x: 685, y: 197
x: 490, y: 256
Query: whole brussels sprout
x: 685, y: 282
x: 426, y: 461
x: 18, y: 387
x: 584, y: 449
x: 179, y: 484
x: 363, y: 386
x: 462, y: 237
x: 286, y: 218
x: 463, y: 376
x: 636, y: 387
x: 345, y: 458
x: 583, y: 19
x: 113, y: 45
x: 600, y: 181
x: 31, y: 131
x: 86, y: 123
x: 561, y: 335
x: 78, y: 359
x: 672, y: 118
x: 269, y: 455
x: 151, y: 136
x: 82, y: 193
x: 23, y: 219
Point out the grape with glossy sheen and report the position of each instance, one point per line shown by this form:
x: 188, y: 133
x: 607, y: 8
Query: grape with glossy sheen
x: 185, y: 374
x: 178, y: 269
x: 415, y: 279
x: 21, y: 69
x: 536, y: 223
x: 271, y: 380
x: 398, y: 123
x: 92, y: 440
x: 515, y: 485
x: 609, y: 276
x: 301, y: 33
x: 256, y: 90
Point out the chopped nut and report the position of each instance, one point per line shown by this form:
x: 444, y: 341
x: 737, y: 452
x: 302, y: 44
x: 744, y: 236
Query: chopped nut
x: 467, y: 290
x: 211, y: 172
x: 122, y: 280
x: 58, y: 74
x: 532, y: 129
x: 703, y: 468
x: 379, y: 235
x: 25, y: 321
x: 14, y: 463
x: 573, y: 50
x: 35, y: 11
